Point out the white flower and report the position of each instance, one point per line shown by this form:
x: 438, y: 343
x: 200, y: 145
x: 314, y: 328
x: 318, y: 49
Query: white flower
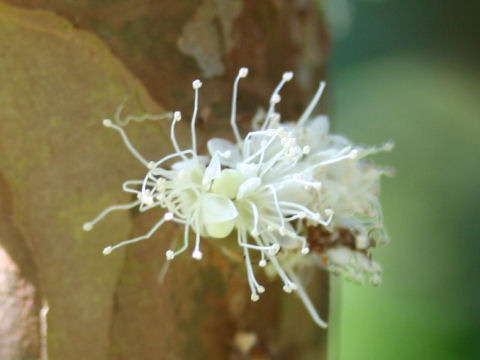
x: 268, y: 188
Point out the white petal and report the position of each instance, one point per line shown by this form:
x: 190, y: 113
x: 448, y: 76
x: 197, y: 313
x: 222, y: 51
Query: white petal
x: 227, y: 183
x: 217, y: 209
x: 248, y: 170
x: 319, y: 125
x: 248, y: 186
x: 212, y: 171
x: 203, y: 160
x: 222, y: 146
x: 220, y: 230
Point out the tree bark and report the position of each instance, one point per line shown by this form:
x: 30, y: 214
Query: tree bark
x: 59, y: 167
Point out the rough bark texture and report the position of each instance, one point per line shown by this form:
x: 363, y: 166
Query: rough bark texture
x: 59, y: 167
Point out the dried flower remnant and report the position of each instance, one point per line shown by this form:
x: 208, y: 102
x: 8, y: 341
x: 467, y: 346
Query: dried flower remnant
x: 282, y: 190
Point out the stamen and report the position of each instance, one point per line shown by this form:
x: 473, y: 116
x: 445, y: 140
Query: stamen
x: 262, y: 262
x: 197, y: 253
x: 177, y: 116
x: 252, y: 281
x: 108, y: 123
x: 89, y: 225
x: 242, y: 73
x: 308, y: 111
x: 131, y: 182
x: 307, y: 302
x: 109, y: 249
x: 141, y: 118
x: 170, y: 254
x: 275, y: 98
x: 197, y: 84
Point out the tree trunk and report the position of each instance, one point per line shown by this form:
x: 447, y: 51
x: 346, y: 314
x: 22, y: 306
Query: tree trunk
x: 59, y: 167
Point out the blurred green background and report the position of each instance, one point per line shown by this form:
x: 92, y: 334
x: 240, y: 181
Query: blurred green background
x: 410, y: 71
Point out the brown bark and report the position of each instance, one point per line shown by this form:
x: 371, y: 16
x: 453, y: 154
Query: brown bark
x: 61, y: 167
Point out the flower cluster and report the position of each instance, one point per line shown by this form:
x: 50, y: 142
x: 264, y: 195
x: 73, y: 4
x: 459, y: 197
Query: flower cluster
x: 283, y: 190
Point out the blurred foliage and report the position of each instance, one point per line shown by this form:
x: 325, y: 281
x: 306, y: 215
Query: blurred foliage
x: 400, y: 75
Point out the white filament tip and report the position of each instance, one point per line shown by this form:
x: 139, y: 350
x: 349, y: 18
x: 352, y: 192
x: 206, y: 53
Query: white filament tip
x: 287, y: 288
x: 227, y: 154
x: 353, y: 154
x: 168, y: 216
x: 243, y: 72
x: 169, y: 255
x: 305, y: 250
x: 262, y: 263
x: 254, y: 233
x: 376, y: 280
x: 177, y: 116
x: 197, y: 255
x: 196, y: 84
x: 388, y: 146
x: 107, y: 122
x: 260, y: 289
x: 254, y: 297
x: 276, y: 99
x: 151, y: 165
x: 329, y: 212
x: 306, y: 149
x: 87, y: 226
x: 293, y: 286
x: 287, y: 76
x: 107, y: 250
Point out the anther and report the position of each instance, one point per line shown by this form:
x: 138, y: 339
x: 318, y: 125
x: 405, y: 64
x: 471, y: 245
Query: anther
x: 151, y: 165
x: 287, y: 288
x: 262, y: 263
x: 197, y: 255
x: 177, y: 116
x: 87, y: 226
x: 107, y: 122
x: 305, y: 250
x: 388, y: 146
x: 275, y: 99
x: 353, y: 154
x: 169, y: 254
x: 260, y: 289
x: 287, y: 76
x: 168, y: 216
x: 107, y: 250
x: 196, y: 84
x: 329, y: 212
x: 243, y: 72
x: 254, y: 297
